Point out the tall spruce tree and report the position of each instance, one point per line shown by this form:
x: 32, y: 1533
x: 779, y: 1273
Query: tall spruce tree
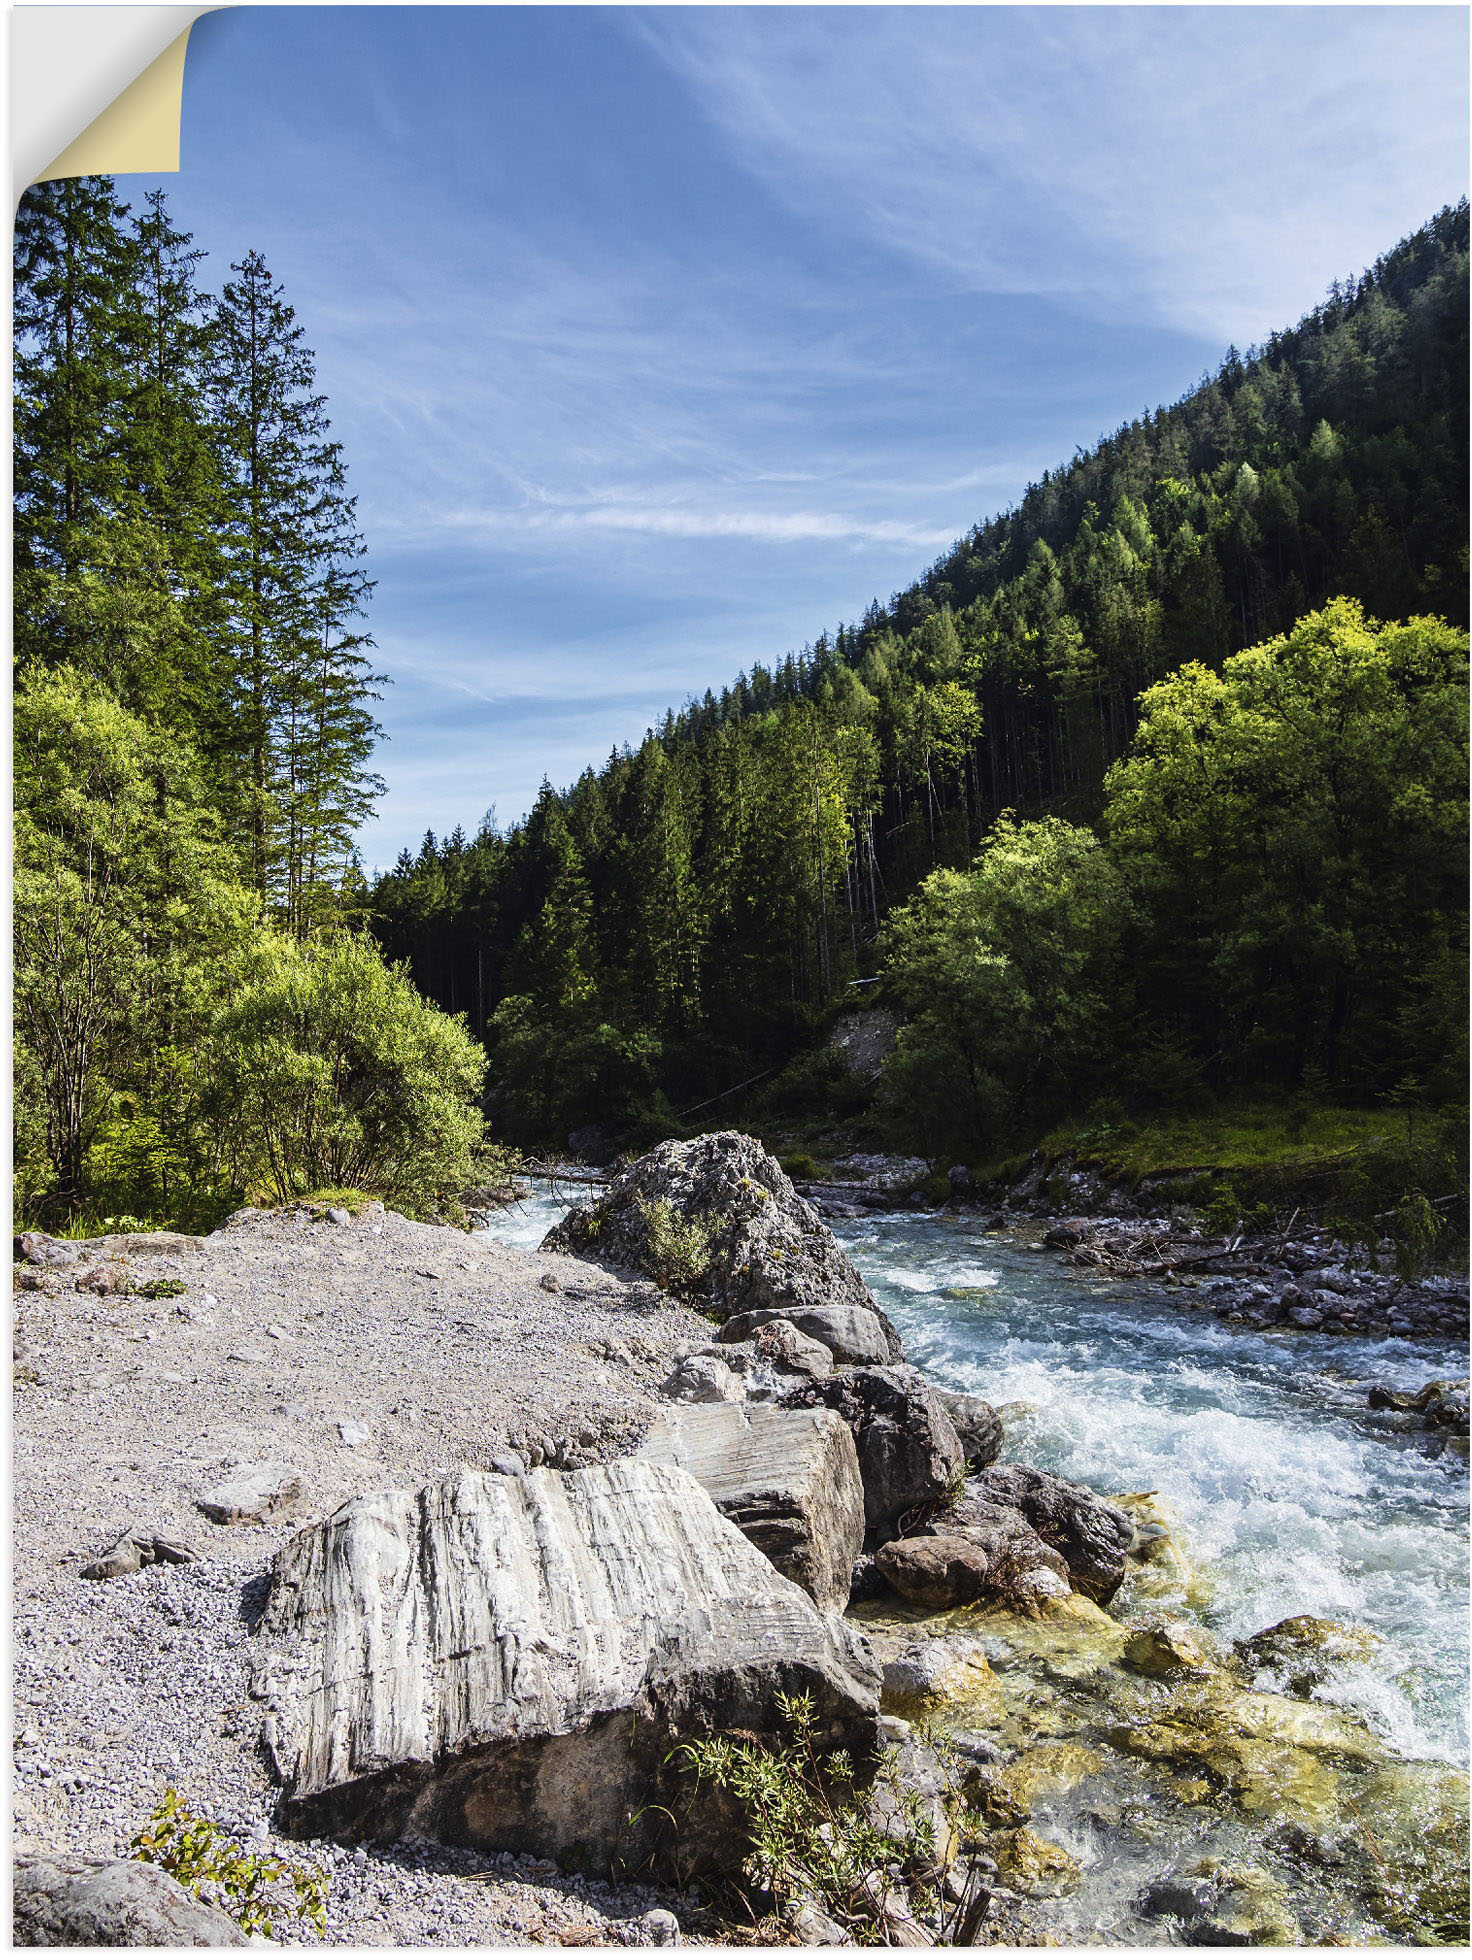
x: 301, y: 731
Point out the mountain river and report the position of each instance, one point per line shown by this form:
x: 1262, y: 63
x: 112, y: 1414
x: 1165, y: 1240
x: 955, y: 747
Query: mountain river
x: 1293, y: 1497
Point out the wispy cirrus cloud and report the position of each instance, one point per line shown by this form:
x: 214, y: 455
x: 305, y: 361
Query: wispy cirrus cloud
x: 1214, y: 167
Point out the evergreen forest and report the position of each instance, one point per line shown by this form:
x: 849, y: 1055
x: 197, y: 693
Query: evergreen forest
x: 1149, y: 795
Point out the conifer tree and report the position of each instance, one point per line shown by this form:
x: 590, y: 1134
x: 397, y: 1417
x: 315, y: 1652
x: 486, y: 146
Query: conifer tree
x: 301, y: 731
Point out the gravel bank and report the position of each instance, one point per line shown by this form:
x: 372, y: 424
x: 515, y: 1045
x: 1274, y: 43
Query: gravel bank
x: 358, y: 1353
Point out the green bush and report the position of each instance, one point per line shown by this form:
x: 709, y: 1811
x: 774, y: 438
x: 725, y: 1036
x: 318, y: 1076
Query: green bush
x: 680, y: 1248
x: 253, y: 1888
x: 330, y: 1070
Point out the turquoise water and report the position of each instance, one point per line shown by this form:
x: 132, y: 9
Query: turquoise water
x: 1293, y: 1497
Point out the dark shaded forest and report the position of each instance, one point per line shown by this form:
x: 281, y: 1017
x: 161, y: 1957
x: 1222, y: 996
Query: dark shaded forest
x: 1202, y: 869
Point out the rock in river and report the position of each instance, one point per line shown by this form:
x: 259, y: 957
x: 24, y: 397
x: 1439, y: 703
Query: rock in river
x: 909, y: 1453
x: 749, y: 1240
x: 787, y: 1478
x: 1092, y: 1534
x: 509, y: 1663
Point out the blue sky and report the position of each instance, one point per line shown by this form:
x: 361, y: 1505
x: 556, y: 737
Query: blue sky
x: 660, y: 339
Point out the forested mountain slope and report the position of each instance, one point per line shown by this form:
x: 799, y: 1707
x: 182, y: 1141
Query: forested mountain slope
x: 682, y: 918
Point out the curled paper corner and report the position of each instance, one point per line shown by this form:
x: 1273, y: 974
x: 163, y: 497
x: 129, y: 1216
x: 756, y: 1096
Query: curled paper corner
x: 96, y: 90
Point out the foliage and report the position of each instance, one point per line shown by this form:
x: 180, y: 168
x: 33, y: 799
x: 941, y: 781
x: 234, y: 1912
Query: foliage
x: 128, y: 917
x: 253, y: 1887
x: 1006, y: 974
x: 1292, y: 829
x: 329, y: 1069
x: 679, y: 1247
x: 716, y: 889
x: 811, y: 1836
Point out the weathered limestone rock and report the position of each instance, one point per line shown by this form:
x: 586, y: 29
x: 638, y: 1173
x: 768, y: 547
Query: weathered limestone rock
x: 761, y: 1244
x: 65, y: 1901
x: 702, y: 1377
x: 977, y: 1424
x: 936, y: 1572
x: 251, y: 1493
x: 1022, y: 1568
x: 909, y: 1452
x: 134, y: 1549
x: 1092, y: 1534
x: 508, y: 1663
x: 854, y: 1336
x: 787, y: 1478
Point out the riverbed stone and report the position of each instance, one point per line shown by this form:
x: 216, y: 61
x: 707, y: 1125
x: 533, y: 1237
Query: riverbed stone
x: 1091, y: 1534
x: 759, y: 1243
x: 977, y: 1424
x: 909, y: 1452
x: 1023, y: 1568
x: 1169, y: 1649
x: 703, y: 1377
x: 937, y: 1572
x: 69, y: 1901
x: 854, y: 1336
x: 1301, y: 1652
x: 508, y: 1663
x: 787, y: 1478
x: 944, y: 1675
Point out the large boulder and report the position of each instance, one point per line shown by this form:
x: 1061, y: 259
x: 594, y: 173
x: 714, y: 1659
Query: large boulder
x: 787, y: 1478
x: 909, y: 1453
x: 977, y: 1424
x: 854, y: 1336
x: 718, y: 1217
x: 1090, y: 1533
x: 1022, y: 1568
x: 509, y: 1663
x: 65, y: 1901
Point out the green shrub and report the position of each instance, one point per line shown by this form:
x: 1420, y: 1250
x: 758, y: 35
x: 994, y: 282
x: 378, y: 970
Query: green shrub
x: 331, y: 1071
x: 813, y: 1832
x: 255, y: 1889
x: 802, y: 1167
x: 680, y: 1248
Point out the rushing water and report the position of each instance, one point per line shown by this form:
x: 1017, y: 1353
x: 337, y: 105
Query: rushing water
x: 1294, y: 1497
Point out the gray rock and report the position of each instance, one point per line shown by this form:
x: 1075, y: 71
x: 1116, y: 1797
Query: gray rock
x: 764, y: 1246
x: 1022, y: 1568
x: 133, y: 1550
x: 937, y: 1572
x: 780, y: 1347
x: 853, y: 1335
x: 977, y: 1424
x: 63, y: 1901
x: 787, y: 1478
x: 1091, y: 1534
x: 509, y: 1662
x: 909, y: 1453
x: 702, y: 1378
x: 354, y: 1434
x: 251, y: 1493
x: 339, y: 1215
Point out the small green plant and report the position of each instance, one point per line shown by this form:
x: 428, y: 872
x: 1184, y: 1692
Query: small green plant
x: 250, y: 1886
x: 813, y: 1833
x: 680, y: 1248
x: 1223, y: 1211
x: 161, y: 1289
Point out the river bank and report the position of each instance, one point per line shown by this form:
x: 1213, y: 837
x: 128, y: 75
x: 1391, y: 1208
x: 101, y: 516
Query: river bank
x: 346, y: 1354
x: 357, y: 1351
